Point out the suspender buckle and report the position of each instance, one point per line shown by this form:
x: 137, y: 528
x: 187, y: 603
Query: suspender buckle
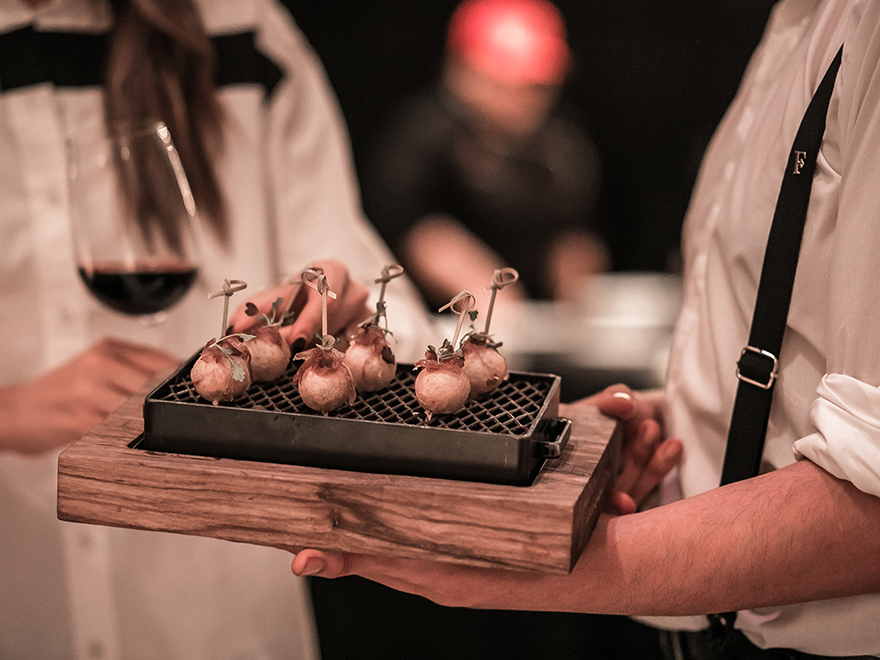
x: 754, y: 361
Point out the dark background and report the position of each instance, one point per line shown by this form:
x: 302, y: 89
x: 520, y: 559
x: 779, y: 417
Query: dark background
x: 652, y: 80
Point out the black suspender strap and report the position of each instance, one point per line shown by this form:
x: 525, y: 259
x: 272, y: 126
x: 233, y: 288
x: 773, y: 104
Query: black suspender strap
x: 758, y: 364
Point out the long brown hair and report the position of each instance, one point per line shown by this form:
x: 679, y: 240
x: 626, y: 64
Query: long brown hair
x: 160, y: 66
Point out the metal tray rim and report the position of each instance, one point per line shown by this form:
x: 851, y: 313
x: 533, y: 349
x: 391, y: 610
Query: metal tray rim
x: 290, y: 436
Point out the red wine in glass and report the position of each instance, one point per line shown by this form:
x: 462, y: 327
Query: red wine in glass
x: 134, y: 220
x: 139, y: 290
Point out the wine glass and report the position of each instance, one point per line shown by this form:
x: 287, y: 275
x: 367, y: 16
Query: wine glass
x: 135, y: 232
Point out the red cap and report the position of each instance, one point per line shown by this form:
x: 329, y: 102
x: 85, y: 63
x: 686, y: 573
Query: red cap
x: 517, y: 41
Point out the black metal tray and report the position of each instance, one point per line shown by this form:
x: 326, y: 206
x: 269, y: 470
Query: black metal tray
x: 502, y: 438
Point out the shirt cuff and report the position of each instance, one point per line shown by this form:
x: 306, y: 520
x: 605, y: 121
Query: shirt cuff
x: 846, y: 443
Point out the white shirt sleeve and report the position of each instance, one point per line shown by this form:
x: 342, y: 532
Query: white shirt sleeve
x: 846, y: 443
x: 846, y: 413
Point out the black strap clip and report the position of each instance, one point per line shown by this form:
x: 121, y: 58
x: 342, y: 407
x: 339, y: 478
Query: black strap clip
x: 757, y: 367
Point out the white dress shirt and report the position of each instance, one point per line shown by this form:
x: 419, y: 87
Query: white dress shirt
x: 826, y: 401
x: 79, y: 591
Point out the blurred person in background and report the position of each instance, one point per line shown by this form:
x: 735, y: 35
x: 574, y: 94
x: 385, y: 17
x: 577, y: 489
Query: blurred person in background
x: 486, y: 169
x: 268, y: 159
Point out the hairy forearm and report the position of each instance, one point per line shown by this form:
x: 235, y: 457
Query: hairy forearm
x: 793, y: 535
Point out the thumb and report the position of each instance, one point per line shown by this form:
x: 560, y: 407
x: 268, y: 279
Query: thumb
x: 617, y: 401
x: 320, y: 564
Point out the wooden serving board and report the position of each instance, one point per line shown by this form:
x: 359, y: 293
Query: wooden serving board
x: 542, y: 527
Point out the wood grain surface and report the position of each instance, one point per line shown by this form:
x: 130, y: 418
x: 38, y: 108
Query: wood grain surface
x: 542, y: 527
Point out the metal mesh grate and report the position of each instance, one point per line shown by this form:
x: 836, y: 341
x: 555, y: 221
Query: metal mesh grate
x: 509, y: 409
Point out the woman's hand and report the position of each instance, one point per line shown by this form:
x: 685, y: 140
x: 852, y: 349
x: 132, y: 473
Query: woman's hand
x: 646, y: 455
x: 62, y: 405
x: 345, y: 311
